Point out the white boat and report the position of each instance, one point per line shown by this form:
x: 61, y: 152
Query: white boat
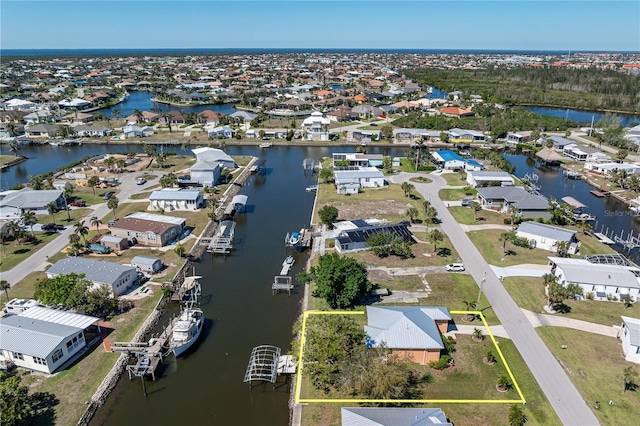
x: 186, y: 329
x: 312, y: 188
x: 266, y: 145
x: 294, y: 238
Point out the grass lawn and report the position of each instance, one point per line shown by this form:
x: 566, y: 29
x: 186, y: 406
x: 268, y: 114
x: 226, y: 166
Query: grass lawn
x: 591, y: 245
x: 528, y: 293
x: 174, y: 163
x: 388, y: 203
x: 487, y: 242
x: 12, y: 254
x: 397, y: 282
x: 464, y: 215
x: 595, y: 365
x: 25, y: 288
x: 74, y: 386
x: 423, y: 252
x: 455, y: 194
x: 454, y: 179
x: 4, y: 159
x: 469, y: 378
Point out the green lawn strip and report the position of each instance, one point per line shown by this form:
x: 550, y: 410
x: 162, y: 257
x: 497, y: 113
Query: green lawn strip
x: 4, y: 159
x: 423, y: 256
x: 487, y: 242
x: 595, y: 365
x: 141, y: 195
x: 397, y: 282
x: 174, y: 163
x: 125, y: 209
x: 455, y: 194
x: 74, y: 386
x: 465, y: 216
x: 25, y: 288
x: 14, y: 254
x: 452, y: 290
x: 454, y: 179
x: 61, y: 217
x: 528, y: 293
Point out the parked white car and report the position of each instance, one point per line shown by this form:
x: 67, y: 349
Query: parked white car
x: 454, y: 267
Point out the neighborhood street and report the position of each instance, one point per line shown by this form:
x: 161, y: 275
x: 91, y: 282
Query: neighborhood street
x: 561, y: 393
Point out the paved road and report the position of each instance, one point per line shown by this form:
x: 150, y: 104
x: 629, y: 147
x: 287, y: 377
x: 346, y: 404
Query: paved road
x: 561, y: 393
x: 38, y: 261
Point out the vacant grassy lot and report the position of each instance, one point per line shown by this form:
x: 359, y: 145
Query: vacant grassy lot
x: 487, y: 242
x: 25, y: 288
x: 4, y: 159
x: 387, y: 203
x: 595, y: 365
x: 12, y: 254
x: 423, y: 252
x: 465, y: 216
x: 528, y: 293
x: 174, y: 163
x: 455, y: 194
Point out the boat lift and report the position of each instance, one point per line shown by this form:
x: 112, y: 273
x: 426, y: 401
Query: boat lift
x: 267, y: 363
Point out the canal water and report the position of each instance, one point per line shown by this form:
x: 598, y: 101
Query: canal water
x: 141, y: 100
x: 583, y: 117
x: 611, y: 214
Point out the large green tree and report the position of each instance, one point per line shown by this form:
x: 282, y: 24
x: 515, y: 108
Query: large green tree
x: 328, y: 215
x: 19, y: 408
x: 341, y: 281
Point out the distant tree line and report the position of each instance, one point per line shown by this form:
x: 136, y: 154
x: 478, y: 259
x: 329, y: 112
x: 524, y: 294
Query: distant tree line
x: 587, y: 88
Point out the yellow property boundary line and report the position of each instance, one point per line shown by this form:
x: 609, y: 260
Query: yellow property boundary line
x: 414, y: 401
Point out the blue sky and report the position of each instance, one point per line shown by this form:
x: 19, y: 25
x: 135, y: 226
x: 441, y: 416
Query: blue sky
x: 425, y: 24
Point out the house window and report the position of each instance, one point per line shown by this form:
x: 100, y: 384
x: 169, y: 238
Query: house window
x: 56, y: 355
x: 138, y: 234
x: 40, y: 361
x: 151, y: 236
x: 18, y: 355
x: 344, y: 246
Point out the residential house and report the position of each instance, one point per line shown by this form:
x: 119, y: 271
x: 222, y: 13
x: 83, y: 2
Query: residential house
x: 92, y: 131
x: 468, y: 136
x: 42, y: 130
x: 547, y: 237
x: 243, y: 116
x: 393, y: 416
x: 342, y: 113
x: 350, y: 180
x: 147, y: 264
x: 38, y: 116
x: 19, y: 105
x: 401, y: 135
x: 365, y: 136
x: 456, y: 112
x: 502, y: 198
x: 78, y: 118
x: 585, y: 154
x: 607, y: 169
x: 480, y: 178
x: 559, y: 142
x: 411, y: 332
x: 62, y: 184
x: 367, y: 111
x: 356, y: 238
x: 514, y: 138
x: 43, y: 339
x: 76, y: 103
x: 137, y: 131
x: 176, y: 199
x: 633, y: 134
x: 14, y: 203
x: 316, y: 127
x: 210, y: 117
x: 173, y: 117
x: 630, y: 336
x: 450, y: 160
x: 118, y: 278
x: 152, y: 230
x: 206, y: 173
x: 225, y: 132
x: 114, y: 243
x: 602, y: 281
x: 356, y: 159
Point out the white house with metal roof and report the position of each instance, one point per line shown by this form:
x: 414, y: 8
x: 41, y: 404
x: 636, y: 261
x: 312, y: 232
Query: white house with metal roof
x: 393, y: 416
x: 43, y: 339
x: 480, y: 178
x: 119, y: 278
x: 176, y: 199
x: 547, y: 237
x: 14, y: 203
x: 607, y: 169
x: 603, y: 281
x: 316, y: 127
x: 349, y: 180
x: 630, y: 336
x: 414, y: 332
x: 147, y: 264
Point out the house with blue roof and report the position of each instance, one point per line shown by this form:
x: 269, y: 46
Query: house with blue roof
x: 450, y: 160
x: 412, y: 332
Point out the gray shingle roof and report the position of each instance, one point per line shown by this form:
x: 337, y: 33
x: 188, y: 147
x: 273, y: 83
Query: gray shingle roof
x: 97, y: 271
x: 516, y: 196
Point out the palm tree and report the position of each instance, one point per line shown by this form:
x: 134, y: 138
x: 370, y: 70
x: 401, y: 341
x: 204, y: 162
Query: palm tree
x: 562, y: 248
x: 435, y: 237
x: 412, y: 212
x: 506, y: 236
x: 5, y: 286
x: 51, y: 208
x: 93, y: 182
x: 121, y: 164
x: 94, y: 221
x: 116, y: 114
x: 476, y: 206
x: 470, y: 305
x: 74, y: 244
x: 179, y: 249
x: 112, y: 203
x: 81, y: 229
x: 407, y: 188
x: 517, y: 416
x: 11, y: 229
x: 109, y: 162
x: 29, y: 219
x: 138, y: 114
x: 67, y: 193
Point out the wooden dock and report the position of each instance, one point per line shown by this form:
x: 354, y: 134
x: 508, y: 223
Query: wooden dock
x: 603, y: 238
x: 282, y: 282
x: 599, y: 193
x: 286, y: 267
x: 150, y: 354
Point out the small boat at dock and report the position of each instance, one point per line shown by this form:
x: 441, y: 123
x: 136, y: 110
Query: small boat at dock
x: 266, y: 145
x: 312, y: 188
x: 571, y: 174
x: 287, y: 265
x: 294, y: 238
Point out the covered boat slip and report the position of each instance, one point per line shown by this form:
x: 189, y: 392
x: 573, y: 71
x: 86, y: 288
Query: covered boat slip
x: 267, y: 363
x: 237, y: 205
x: 222, y: 240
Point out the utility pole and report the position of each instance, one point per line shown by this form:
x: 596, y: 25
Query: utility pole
x: 484, y: 278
